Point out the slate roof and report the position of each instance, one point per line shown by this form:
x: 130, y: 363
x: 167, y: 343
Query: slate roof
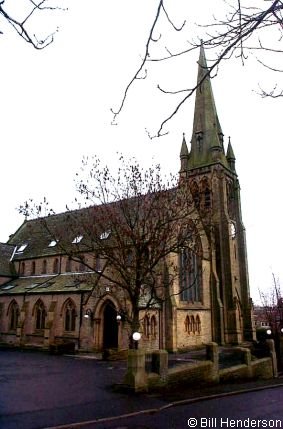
x: 38, y: 233
x: 78, y: 282
x: 6, y: 253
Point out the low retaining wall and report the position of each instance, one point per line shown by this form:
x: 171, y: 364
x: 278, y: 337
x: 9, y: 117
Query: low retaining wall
x: 206, y: 371
x: 190, y: 373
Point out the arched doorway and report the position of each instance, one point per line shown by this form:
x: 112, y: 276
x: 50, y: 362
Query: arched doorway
x: 110, y: 327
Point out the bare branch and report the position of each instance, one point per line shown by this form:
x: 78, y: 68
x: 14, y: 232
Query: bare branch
x: 236, y: 35
x: 21, y: 26
x: 171, y: 22
x: 146, y: 54
x: 274, y: 93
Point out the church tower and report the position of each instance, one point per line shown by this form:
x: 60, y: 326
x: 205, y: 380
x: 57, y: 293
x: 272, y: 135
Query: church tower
x: 215, y: 189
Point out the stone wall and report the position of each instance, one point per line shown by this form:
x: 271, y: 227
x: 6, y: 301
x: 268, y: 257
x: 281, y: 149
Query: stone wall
x: 204, y: 371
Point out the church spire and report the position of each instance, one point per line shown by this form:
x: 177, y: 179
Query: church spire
x: 207, y: 137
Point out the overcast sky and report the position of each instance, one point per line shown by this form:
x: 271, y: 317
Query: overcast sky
x: 55, y: 108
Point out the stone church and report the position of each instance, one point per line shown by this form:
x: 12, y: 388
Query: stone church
x: 45, y: 297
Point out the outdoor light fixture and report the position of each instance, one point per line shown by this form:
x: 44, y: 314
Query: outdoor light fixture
x: 121, y: 316
x: 281, y: 330
x: 88, y: 314
x: 136, y: 336
x: 268, y: 331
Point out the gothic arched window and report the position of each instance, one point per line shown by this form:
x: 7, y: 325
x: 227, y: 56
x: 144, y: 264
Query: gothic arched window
x: 40, y: 315
x: 193, y: 325
x: 206, y: 194
x: 56, y: 266
x: 188, y: 325
x: 153, y: 325
x: 82, y: 266
x: 195, y: 193
x: 198, y: 324
x: 33, y: 268
x: 146, y: 326
x: 44, y: 266
x: 190, y: 279
x: 13, y: 313
x: 70, y: 315
x: 68, y: 265
x: 23, y: 268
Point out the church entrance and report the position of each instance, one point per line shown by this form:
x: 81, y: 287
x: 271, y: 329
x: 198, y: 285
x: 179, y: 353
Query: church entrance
x: 110, y: 327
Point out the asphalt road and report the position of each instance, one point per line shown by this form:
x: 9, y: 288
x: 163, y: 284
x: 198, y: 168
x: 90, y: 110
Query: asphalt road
x: 38, y: 390
x: 41, y: 391
x: 261, y: 409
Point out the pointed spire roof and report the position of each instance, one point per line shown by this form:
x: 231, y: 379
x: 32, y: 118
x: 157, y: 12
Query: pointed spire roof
x: 230, y: 153
x: 184, y: 148
x: 230, y: 156
x: 207, y: 137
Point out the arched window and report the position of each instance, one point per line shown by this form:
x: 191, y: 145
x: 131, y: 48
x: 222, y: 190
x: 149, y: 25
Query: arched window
x: 146, y: 326
x: 193, y: 325
x: 195, y: 193
x: 198, y: 325
x: 70, y: 315
x: 153, y: 326
x: 98, y: 263
x: 44, y: 266
x: 13, y: 313
x: 207, y: 198
x: 56, y: 266
x: 68, y: 265
x: 190, y: 275
x: 33, y: 268
x: 206, y: 194
x: 82, y: 266
x: 23, y: 268
x: 40, y: 315
x: 188, y: 325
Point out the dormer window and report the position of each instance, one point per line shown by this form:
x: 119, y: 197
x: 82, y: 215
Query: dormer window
x: 21, y: 248
x: 105, y: 235
x: 77, y: 239
x: 53, y: 243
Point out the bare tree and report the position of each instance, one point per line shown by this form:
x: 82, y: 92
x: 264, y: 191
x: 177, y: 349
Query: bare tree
x: 135, y: 224
x: 244, y: 29
x: 272, y: 305
x: 23, y: 17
